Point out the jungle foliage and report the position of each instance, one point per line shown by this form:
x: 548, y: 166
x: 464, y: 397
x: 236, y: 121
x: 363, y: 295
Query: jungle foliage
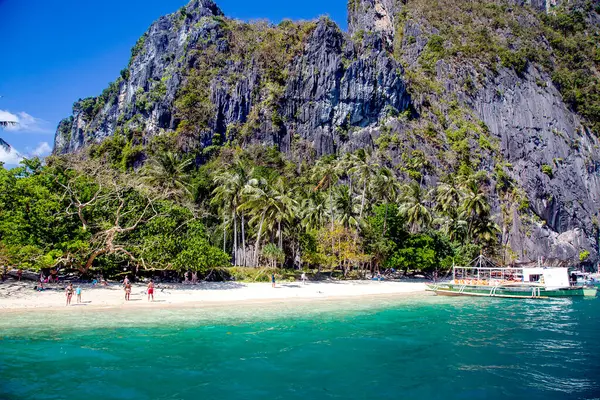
x: 247, y: 207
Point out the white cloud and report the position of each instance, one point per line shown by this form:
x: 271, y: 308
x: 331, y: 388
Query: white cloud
x: 42, y: 150
x: 25, y: 122
x: 10, y: 157
x: 6, y: 116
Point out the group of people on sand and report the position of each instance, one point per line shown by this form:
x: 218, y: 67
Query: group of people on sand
x: 69, y: 290
x: 127, y: 288
x: 190, y: 281
x: 52, y: 277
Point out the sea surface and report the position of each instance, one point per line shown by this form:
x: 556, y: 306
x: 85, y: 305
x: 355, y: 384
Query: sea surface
x: 417, y: 348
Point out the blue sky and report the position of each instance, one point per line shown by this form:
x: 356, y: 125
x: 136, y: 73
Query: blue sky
x: 55, y: 52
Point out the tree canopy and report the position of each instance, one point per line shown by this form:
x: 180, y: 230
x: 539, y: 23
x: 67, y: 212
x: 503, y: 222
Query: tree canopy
x: 244, y: 207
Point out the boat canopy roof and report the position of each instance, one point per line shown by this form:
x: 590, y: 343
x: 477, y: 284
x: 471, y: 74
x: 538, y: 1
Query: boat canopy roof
x: 485, y: 269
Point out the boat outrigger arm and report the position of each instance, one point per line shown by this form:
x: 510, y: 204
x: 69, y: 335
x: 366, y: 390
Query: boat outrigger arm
x: 482, y: 277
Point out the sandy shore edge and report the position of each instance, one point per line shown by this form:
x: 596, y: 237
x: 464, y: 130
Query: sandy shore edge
x: 206, y: 295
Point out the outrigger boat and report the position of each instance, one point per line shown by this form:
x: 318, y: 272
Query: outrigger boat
x: 484, y: 278
x: 585, y: 278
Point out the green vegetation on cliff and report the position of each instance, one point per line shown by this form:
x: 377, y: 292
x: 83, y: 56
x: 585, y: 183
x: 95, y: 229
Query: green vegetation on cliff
x: 493, y: 34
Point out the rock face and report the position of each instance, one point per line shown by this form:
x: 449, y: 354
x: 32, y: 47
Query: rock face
x: 536, y: 129
x: 329, y: 85
x: 340, y: 91
x: 373, y: 16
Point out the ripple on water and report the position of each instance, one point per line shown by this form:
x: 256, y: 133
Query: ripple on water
x: 450, y: 348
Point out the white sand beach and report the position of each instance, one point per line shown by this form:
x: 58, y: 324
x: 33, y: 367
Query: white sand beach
x: 21, y: 296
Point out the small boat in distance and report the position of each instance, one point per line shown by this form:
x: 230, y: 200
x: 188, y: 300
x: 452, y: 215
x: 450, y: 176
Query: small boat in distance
x: 485, y: 279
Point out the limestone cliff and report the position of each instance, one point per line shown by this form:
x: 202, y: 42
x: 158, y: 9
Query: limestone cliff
x: 463, y: 85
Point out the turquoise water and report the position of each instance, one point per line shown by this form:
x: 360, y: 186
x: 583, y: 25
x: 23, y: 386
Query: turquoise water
x: 423, y: 348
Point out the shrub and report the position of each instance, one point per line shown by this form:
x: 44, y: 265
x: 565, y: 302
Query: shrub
x: 125, y: 74
x: 138, y: 48
x: 547, y: 169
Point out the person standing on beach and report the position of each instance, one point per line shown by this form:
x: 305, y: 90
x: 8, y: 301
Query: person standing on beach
x: 69, y: 293
x: 127, y: 290
x: 19, y: 274
x: 151, y: 290
x: 78, y: 292
x: 273, y: 279
x: 303, y: 278
x: 194, y: 278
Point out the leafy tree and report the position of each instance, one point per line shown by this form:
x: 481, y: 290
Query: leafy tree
x: 197, y: 254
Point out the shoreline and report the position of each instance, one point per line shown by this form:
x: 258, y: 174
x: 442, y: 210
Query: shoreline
x: 204, y: 295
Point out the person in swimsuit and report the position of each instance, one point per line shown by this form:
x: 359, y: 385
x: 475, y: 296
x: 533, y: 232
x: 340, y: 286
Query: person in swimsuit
x: 273, y: 280
x: 151, y: 290
x: 19, y: 274
x: 303, y: 278
x: 127, y: 290
x: 69, y: 292
x: 78, y: 293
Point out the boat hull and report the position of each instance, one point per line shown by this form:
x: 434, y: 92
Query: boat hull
x: 524, y: 292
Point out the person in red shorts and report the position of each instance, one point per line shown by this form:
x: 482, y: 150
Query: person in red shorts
x: 151, y: 290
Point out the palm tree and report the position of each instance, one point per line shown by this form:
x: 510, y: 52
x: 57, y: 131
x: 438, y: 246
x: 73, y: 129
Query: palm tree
x: 486, y: 231
x: 346, y: 210
x: 364, y: 169
x: 385, y: 188
x: 313, y: 210
x: 257, y: 202
x: 285, y: 205
x: 327, y: 173
x: 224, y: 197
x: 454, y: 225
x: 449, y: 201
x: 475, y: 205
x: 345, y: 164
x: 268, y: 205
x: 229, y: 189
x: 168, y: 171
x: 413, y: 207
x: 449, y: 197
